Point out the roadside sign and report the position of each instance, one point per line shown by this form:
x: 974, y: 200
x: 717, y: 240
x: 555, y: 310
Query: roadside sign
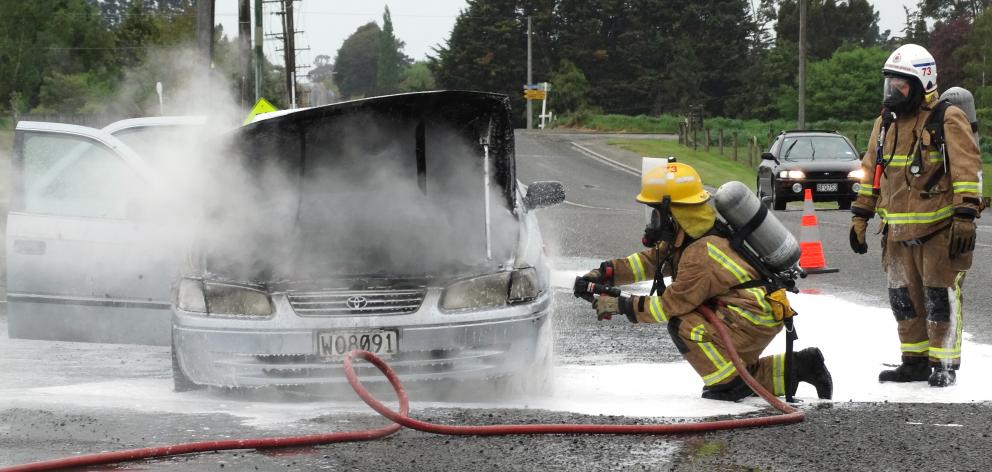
x: 263, y: 106
x: 535, y: 94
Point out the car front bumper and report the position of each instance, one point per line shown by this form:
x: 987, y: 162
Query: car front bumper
x: 282, y: 351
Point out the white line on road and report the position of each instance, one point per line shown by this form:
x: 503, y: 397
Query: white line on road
x: 598, y: 208
x: 606, y: 160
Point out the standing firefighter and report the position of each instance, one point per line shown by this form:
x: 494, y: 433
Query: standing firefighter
x: 923, y: 178
x: 685, y: 242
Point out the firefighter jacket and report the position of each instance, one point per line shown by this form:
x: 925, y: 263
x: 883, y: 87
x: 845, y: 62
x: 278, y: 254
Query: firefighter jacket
x: 707, y: 270
x: 906, y: 205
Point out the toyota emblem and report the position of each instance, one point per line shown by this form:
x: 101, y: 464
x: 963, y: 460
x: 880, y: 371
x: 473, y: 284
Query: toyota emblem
x: 357, y: 302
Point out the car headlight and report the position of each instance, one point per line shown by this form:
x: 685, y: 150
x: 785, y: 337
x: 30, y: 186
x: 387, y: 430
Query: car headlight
x: 222, y: 299
x: 791, y: 174
x: 491, y: 291
x: 856, y: 174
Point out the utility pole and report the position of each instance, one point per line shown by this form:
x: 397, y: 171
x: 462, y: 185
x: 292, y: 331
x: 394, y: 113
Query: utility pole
x: 802, y: 64
x: 530, y: 79
x: 289, y: 50
x: 259, y: 55
x: 244, y: 48
x: 205, y: 32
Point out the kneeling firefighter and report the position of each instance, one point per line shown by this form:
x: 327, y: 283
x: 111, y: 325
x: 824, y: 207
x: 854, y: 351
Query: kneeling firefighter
x: 686, y: 242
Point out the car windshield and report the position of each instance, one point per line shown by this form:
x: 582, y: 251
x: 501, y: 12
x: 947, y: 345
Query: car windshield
x: 816, y: 147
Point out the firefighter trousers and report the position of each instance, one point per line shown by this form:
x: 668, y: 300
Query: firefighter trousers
x: 925, y: 296
x: 698, y: 342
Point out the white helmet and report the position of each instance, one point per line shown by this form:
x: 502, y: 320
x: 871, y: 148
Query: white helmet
x: 913, y: 61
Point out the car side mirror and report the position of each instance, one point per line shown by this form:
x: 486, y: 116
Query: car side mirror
x: 769, y: 157
x: 544, y: 194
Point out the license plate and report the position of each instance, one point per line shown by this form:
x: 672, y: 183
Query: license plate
x: 381, y: 342
x: 826, y: 187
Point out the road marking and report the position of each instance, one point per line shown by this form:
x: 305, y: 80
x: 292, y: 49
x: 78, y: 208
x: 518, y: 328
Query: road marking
x: 598, y: 208
x: 606, y: 160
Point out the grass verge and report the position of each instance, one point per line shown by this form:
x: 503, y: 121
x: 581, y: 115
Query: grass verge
x: 714, y: 169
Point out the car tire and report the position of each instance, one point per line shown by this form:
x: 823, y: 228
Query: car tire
x: 537, y: 377
x: 778, y: 203
x: 180, y: 382
x: 844, y: 204
x: 761, y: 194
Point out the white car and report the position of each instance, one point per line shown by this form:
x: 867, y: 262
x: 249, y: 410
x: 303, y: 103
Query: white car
x: 393, y: 224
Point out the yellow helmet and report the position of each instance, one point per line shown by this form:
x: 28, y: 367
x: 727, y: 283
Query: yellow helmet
x: 676, y: 180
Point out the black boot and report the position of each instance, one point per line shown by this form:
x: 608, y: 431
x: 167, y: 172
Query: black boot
x: 913, y: 369
x: 942, y: 377
x: 808, y: 366
x: 729, y: 392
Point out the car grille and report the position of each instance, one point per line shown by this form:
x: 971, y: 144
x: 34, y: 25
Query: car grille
x: 832, y: 175
x: 357, y: 302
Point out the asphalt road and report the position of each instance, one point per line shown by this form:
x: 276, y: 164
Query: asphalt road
x: 599, y: 220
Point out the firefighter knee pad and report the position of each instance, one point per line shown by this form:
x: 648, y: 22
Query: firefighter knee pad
x: 673, y: 330
x: 938, y: 303
x: 901, y: 303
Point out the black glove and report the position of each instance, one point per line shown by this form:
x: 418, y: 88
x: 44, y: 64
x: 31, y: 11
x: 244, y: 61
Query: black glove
x: 581, y: 287
x: 962, y: 235
x: 859, y: 226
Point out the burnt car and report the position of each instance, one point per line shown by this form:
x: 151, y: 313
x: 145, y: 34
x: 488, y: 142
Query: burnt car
x: 392, y: 224
x: 824, y: 162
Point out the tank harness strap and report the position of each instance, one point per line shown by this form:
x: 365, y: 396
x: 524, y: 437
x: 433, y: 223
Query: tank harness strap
x: 935, y: 126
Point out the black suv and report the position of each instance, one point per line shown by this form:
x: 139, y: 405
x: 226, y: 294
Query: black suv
x: 822, y: 161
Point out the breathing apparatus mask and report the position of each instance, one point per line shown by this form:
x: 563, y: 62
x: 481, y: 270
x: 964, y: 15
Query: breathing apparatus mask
x: 661, y: 227
x: 901, y: 94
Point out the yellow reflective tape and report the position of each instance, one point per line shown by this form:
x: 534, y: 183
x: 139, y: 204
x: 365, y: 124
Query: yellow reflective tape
x: 919, y: 347
x: 720, y: 375
x: 736, y: 270
x: 778, y: 374
x: 939, y: 353
x: 915, y: 218
x: 754, y: 319
x: 654, y: 307
x: 696, y: 334
x: 898, y: 160
x: 865, y: 191
x: 965, y: 187
x: 636, y: 267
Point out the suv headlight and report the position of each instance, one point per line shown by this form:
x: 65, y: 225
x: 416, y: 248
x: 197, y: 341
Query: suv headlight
x: 491, y: 291
x: 222, y: 299
x: 856, y: 174
x: 791, y: 174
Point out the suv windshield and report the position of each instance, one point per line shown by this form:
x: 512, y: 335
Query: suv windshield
x: 816, y: 147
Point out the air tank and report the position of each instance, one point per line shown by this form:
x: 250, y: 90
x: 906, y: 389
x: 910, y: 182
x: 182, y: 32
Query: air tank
x: 963, y: 99
x: 776, y: 246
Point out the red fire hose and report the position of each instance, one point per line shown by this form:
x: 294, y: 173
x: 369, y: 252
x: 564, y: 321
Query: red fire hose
x: 401, y: 418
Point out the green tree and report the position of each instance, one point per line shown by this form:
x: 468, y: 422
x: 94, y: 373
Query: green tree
x: 417, y: 77
x: 389, y: 59
x: 43, y: 38
x: 945, y: 10
x: 322, y: 71
x: 945, y: 40
x: 356, y: 64
x: 570, y: 88
x: 829, y: 25
x: 847, y: 86
x: 976, y: 59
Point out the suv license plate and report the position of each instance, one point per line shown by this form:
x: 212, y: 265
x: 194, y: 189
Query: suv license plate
x: 381, y: 342
x: 826, y: 187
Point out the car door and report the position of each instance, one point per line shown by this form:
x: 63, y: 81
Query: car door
x: 83, y: 262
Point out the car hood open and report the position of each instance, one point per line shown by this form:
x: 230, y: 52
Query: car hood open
x: 386, y: 185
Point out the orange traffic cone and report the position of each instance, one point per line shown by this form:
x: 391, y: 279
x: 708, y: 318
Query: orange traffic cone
x: 811, y: 256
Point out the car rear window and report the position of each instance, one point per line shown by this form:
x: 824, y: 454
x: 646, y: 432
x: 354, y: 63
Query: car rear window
x: 816, y: 147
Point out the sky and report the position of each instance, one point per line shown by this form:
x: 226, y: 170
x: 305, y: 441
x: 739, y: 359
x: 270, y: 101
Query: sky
x: 422, y: 24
